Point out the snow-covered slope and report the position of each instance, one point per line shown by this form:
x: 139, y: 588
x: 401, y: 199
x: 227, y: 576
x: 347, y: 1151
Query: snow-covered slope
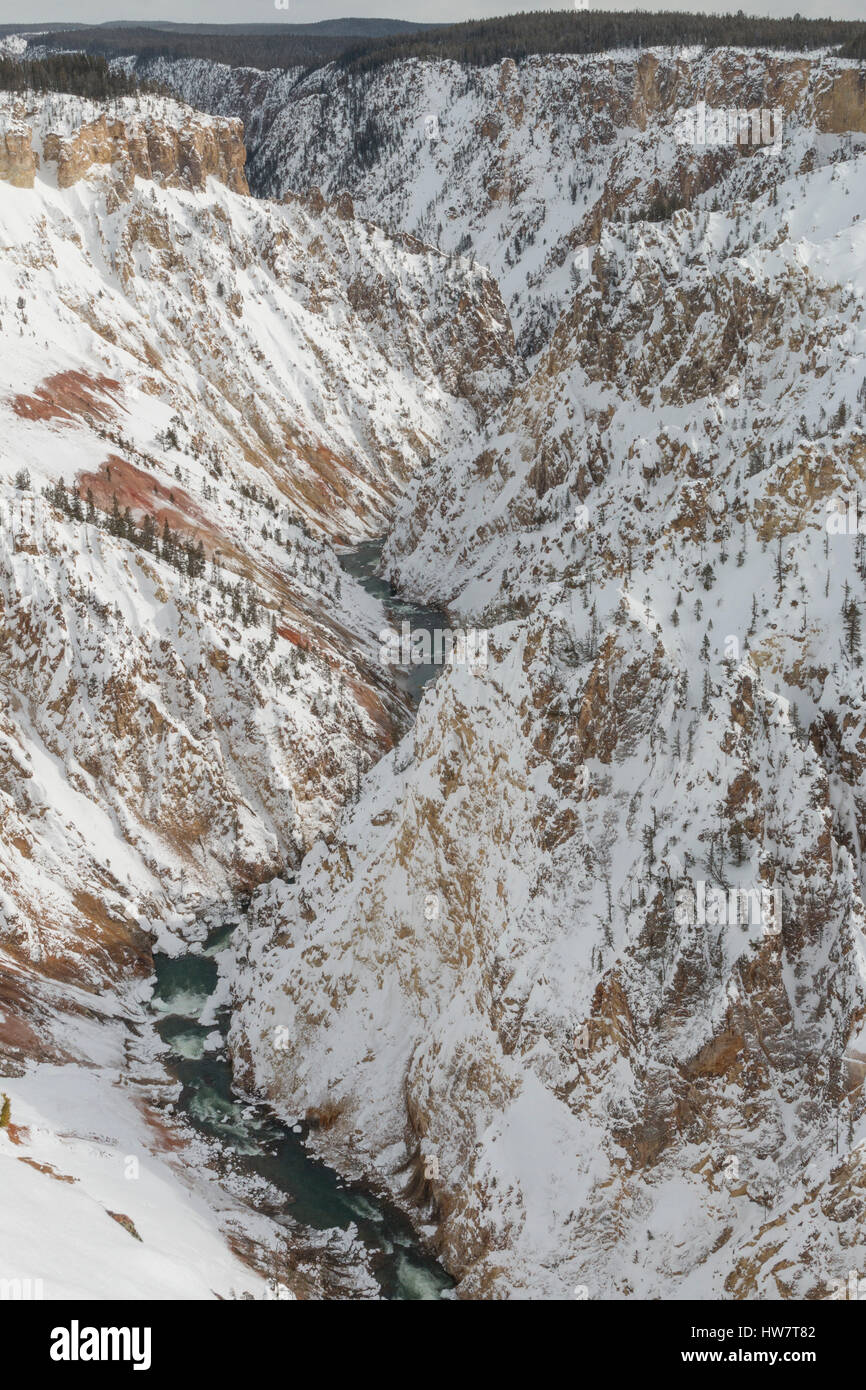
x: 523, y: 164
x: 103, y: 1201
x: 575, y: 966
x: 499, y: 982
x: 199, y: 393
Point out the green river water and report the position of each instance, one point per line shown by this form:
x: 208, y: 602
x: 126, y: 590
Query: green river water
x: 253, y: 1141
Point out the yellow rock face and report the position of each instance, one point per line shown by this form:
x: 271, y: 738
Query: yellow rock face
x: 152, y: 150
x: 17, y: 159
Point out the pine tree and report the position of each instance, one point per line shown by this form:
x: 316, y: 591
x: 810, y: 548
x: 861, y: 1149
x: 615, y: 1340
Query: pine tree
x: 851, y: 624
x: 756, y: 460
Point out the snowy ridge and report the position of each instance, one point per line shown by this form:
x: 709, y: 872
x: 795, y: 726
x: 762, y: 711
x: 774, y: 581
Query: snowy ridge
x: 575, y: 966
x: 503, y: 981
x: 522, y: 164
x: 198, y: 394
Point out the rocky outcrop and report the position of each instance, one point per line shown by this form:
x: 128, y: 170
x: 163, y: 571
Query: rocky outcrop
x: 165, y: 142
x: 18, y: 161
x: 175, y: 157
x: 840, y: 102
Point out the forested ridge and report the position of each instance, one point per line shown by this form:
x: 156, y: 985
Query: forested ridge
x: 78, y: 74
x: 483, y: 42
x: 474, y: 43
x: 255, y: 50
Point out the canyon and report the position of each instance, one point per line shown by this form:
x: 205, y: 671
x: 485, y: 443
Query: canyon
x: 202, y: 396
x: 599, y: 395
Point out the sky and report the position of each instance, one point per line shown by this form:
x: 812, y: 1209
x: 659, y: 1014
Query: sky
x: 309, y: 11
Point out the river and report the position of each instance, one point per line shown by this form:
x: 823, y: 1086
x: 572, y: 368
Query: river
x: 362, y: 561
x: 253, y: 1145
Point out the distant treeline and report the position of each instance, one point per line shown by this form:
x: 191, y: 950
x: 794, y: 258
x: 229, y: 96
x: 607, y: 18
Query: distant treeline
x: 475, y: 43
x: 7, y: 29
x: 480, y: 43
x: 353, y: 28
x: 78, y: 74
x: 236, y: 50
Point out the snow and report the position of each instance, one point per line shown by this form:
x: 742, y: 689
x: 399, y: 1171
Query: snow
x: 529, y: 158
x: 479, y: 962
x: 524, y: 796
x: 102, y: 1158
x: 163, y: 748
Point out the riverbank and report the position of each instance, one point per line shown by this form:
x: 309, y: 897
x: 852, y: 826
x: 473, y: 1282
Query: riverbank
x: 329, y: 1237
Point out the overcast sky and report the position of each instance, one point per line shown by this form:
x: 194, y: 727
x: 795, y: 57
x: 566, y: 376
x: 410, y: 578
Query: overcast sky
x: 308, y: 11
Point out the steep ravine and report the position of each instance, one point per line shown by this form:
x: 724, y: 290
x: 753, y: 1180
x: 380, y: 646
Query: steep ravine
x: 362, y: 562
x: 609, y: 1087
x: 474, y: 970
x: 183, y: 718
x: 256, y: 1150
